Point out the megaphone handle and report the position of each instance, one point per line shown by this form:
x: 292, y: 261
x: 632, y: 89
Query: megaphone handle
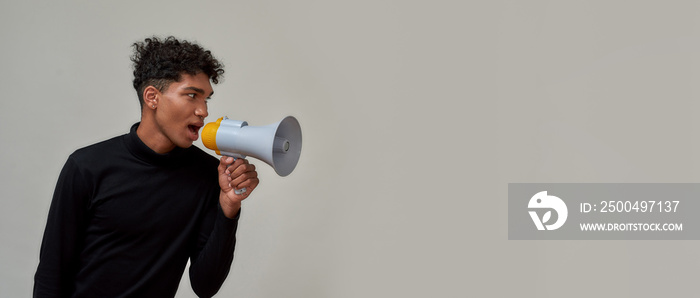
x: 238, y: 191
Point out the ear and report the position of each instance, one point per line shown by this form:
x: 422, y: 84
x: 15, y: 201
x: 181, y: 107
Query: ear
x: 151, y: 96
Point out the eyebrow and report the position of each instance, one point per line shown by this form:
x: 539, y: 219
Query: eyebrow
x: 198, y: 90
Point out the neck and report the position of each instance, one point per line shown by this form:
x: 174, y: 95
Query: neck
x: 150, y: 135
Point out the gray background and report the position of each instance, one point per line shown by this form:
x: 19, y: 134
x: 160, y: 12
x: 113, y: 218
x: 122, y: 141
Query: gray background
x: 416, y: 116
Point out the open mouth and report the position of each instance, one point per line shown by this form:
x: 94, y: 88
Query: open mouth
x: 194, y: 130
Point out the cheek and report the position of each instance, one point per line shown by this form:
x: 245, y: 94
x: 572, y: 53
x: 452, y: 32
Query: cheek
x: 171, y: 113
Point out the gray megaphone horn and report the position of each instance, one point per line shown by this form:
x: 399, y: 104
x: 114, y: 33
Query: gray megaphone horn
x: 278, y: 144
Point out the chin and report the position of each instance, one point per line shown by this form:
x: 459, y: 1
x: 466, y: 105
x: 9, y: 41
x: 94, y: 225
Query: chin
x: 185, y: 145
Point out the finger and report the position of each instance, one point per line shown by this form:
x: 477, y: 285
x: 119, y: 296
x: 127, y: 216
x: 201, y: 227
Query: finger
x: 236, y: 171
x: 224, y: 174
x: 237, y: 180
x: 249, y: 184
x: 237, y: 162
x: 224, y: 163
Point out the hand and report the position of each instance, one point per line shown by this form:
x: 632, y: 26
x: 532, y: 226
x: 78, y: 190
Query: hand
x: 235, y: 175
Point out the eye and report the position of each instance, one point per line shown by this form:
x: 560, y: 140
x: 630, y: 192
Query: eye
x: 192, y: 95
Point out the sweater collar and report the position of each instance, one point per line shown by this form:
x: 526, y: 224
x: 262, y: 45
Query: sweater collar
x: 139, y: 149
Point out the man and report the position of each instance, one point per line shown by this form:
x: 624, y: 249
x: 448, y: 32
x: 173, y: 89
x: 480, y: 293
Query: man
x: 129, y: 212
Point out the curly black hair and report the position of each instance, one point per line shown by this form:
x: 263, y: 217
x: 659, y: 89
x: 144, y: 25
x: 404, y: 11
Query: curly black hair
x: 160, y: 62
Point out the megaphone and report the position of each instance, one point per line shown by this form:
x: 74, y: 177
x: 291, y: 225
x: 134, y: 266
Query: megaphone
x: 278, y: 144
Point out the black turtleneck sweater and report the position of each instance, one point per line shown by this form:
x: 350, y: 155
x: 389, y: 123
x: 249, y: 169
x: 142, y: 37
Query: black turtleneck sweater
x: 124, y: 220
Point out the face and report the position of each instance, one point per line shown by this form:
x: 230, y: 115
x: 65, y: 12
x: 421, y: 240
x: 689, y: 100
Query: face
x: 181, y: 110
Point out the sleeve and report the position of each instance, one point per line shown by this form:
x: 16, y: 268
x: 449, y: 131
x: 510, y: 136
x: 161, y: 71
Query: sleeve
x: 211, y: 262
x: 65, y: 226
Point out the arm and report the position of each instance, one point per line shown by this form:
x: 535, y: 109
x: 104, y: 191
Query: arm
x: 212, y: 262
x: 58, y: 259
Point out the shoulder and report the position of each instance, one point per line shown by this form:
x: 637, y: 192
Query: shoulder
x: 198, y: 166
x: 199, y: 161
x: 98, y: 151
x: 199, y: 156
x: 85, y: 164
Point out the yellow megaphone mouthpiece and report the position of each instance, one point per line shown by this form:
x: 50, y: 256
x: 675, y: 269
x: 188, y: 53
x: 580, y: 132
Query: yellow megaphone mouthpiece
x: 209, y: 135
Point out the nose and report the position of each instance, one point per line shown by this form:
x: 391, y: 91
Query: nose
x: 202, y: 110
